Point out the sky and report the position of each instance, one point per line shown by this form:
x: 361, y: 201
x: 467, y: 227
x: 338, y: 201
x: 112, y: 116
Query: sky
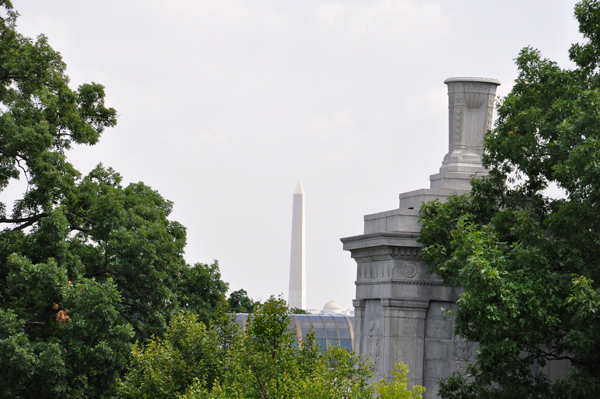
x: 225, y: 104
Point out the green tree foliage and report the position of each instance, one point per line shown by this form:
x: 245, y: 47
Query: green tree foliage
x: 265, y: 361
x: 239, y: 302
x: 86, y: 265
x: 167, y: 366
x: 398, y: 387
x: 298, y: 311
x: 530, y: 264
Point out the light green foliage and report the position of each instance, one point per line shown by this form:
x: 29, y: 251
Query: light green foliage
x: 265, y: 361
x: 398, y: 387
x: 530, y: 264
x: 168, y: 365
x: 86, y: 265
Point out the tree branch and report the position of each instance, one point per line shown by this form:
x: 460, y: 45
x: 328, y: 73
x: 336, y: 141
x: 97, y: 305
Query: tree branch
x: 21, y: 220
x: 15, y: 77
x: 34, y: 321
x: 74, y: 213
x: 553, y: 356
x: 130, y: 322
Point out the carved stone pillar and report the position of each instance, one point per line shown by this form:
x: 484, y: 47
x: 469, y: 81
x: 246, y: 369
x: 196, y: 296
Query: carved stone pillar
x: 470, y: 110
x: 398, y: 305
x: 393, y: 315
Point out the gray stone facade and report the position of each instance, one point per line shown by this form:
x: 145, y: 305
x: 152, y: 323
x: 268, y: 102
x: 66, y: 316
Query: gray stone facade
x: 398, y: 305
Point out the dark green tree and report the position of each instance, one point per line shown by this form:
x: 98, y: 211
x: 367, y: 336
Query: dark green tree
x: 239, y: 302
x: 86, y: 265
x: 529, y: 263
x: 298, y: 311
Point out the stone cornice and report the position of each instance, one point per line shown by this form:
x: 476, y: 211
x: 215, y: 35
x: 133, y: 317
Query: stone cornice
x: 430, y: 283
x: 472, y: 79
x: 380, y: 239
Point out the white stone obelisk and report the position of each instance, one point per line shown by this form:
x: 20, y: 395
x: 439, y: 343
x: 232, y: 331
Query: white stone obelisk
x: 297, y: 298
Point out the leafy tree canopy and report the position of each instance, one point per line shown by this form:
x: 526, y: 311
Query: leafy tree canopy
x: 530, y: 264
x: 265, y: 361
x: 239, y: 302
x: 86, y: 265
x: 298, y: 311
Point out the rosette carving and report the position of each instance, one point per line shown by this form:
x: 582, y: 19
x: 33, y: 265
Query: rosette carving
x: 410, y: 270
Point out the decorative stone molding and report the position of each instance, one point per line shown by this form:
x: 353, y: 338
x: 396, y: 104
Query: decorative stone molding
x: 424, y: 283
x: 404, y: 303
x: 457, y: 126
x: 410, y: 270
x: 395, y: 270
x: 405, y: 251
x: 375, y: 270
x: 359, y: 303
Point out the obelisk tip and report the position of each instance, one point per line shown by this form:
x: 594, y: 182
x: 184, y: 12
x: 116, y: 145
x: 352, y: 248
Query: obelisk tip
x: 299, y: 189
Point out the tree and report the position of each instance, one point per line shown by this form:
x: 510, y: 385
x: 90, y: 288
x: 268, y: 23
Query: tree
x: 298, y: 311
x: 398, y: 387
x: 167, y: 366
x: 529, y: 263
x: 239, y: 302
x: 86, y: 265
x: 265, y: 361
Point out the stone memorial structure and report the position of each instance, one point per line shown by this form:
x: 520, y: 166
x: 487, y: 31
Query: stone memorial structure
x: 297, y: 296
x: 398, y: 305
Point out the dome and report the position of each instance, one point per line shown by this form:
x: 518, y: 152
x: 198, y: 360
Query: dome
x: 332, y: 307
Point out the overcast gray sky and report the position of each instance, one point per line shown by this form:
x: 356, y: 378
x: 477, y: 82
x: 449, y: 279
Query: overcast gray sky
x: 224, y: 105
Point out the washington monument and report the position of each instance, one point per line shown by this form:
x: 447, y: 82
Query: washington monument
x: 297, y: 298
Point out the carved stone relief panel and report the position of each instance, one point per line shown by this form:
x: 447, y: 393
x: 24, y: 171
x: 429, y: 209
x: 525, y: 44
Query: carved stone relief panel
x: 411, y: 270
x: 455, y: 99
x: 374, y: 343
x: 489, y: 118
x: 475, y: 100
x: 458, y: 116
x: 456, y: 87
x: 374, y: 270
x: 463, y: 353
x: 479, y: 87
